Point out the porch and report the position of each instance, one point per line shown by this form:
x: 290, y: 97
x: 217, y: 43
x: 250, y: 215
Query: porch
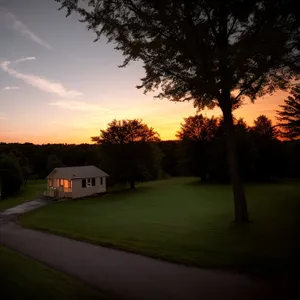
x: 58, y: 192
x: 59, y: 188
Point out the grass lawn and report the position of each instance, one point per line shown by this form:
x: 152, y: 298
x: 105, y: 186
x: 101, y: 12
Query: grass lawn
x: 23, y: 278
x: 181, y: 220
x: 28, y: 192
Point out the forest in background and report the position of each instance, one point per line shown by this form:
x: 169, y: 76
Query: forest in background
x: 199, y: 151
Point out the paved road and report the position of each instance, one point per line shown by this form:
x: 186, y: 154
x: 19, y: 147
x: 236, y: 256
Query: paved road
x: 131, y: 276
x: 13, y: 212
x: 127, y: 275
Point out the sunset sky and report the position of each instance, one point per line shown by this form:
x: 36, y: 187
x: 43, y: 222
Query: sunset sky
x: 58, y: 86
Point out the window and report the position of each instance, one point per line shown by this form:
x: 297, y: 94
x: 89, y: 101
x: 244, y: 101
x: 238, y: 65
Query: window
x: 61, y: 182
x: 50, y: 182
x: 93, y: 181
x: 83, y: 183
x: 89, y: 182
x: 101, y: 180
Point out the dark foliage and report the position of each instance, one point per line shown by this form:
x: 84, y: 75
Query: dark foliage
x: 170, y: 158
x: 289, y: 115
x: 269, y: 152
x: 53, y: 162
x: 261, y: 156
x: 203, y: 149
x: 37, y: 156
x: 10, y: 175
x: 130, y: 151
x: 197, y: 134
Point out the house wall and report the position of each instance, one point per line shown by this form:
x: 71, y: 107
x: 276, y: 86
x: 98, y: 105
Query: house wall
x: 78, y: 191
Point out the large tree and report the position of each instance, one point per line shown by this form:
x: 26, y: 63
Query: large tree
x: 289, y: 115
x: 213, y: 52
x: 129, y: 151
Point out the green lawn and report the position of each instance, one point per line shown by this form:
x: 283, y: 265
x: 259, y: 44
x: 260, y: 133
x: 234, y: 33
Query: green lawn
x: 29, y: 192
x: 181, y: 220
x: 23, y: 278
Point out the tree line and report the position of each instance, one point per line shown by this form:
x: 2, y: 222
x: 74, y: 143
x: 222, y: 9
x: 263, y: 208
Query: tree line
x: 131, y: 152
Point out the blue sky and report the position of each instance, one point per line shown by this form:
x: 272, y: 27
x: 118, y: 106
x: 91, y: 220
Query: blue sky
x: 57, y: 85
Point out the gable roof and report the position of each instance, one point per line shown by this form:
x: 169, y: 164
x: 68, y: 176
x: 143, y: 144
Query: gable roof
x: 77, y: 172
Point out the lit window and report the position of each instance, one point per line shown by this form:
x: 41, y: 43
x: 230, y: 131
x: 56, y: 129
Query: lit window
x: 50, y: 182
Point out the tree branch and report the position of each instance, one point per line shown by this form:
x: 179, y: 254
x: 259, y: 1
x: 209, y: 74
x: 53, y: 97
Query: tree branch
x: 232, y: 26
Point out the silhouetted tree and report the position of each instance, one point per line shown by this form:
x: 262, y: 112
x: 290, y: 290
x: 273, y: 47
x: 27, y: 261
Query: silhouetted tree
x: 268, y: 147
x: 25, y: 173
x: 129, y: 151
x: 53, y: 162
x: 289, y: 115
x: 202, y: 51
x: 246, y: 152
x: 197, y: 133
x: 291, y: 159
x: 170, y: 157
x: 263, y: 127
x: 198, y: 128
x: 10, y: 175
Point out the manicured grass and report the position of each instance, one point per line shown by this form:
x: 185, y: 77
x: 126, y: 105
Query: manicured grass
x: 23, y: 278
x: 182, y: 220
x: 28, y: 192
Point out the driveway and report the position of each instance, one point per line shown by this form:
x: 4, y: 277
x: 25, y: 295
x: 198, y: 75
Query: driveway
x: 13, y: 212
x: 131, y: 276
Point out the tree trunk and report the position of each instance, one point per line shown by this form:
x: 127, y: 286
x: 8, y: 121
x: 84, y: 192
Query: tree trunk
x: 240, y: 204
x: 132, y: 184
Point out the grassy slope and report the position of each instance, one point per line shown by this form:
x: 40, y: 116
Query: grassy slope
x: 180, y: 220
x: 23, y: 278
x: 28, y: 192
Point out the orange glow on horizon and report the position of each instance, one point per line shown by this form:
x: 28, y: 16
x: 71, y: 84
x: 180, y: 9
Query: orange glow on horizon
x: 164, y: 117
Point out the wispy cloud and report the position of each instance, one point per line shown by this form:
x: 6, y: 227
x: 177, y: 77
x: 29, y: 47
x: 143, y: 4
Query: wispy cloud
x: 10, y: 88
x: 24, y: 59
x: 80, y: 106
x: 39, y: 82
x: 12, y: 21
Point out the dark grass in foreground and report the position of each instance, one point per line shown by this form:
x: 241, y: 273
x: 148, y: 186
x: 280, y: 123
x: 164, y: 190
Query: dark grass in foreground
x: 24, y: 278
x: 28, y: 192
x: 180, y: 220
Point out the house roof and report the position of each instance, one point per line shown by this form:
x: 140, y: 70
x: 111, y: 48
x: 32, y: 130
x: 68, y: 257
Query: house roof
x: 77, y: 172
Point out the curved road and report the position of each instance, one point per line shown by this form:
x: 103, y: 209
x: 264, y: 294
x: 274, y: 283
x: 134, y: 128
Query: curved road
x: 130, y: 276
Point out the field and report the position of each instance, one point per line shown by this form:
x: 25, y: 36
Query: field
x: 23, y: 278
x: 28, y: 192
x: 181, y: 220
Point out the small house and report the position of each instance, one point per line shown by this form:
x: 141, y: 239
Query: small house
x: 76, y: 182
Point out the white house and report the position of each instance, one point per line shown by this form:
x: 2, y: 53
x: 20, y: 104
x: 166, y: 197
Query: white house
x: 76, y: 182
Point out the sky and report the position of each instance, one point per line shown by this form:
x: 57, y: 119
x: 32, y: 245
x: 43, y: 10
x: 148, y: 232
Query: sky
x: 58, y: 86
